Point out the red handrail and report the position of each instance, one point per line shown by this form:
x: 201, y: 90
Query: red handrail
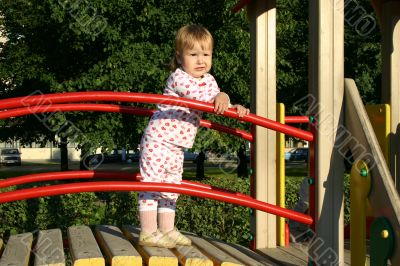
x: 296, y: 119
x: 48, y: 99
x: 115, y: 109
x: 89, y: 174
x: 149, y: 186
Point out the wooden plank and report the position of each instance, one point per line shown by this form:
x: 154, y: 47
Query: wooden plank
x: 325, y: 102
x: 153, y: 256
x: 83, y: 247
x: 17, y: 251
x: 379, y: 115
x: 282, y: 257
x: 191, y: 256
x: 118, y: 250
x: 49, y: 250
x: 390, y: 28
x: 297, y: 250
x: 262, y: 15
x: 245, y: 255
x: 218, y: 256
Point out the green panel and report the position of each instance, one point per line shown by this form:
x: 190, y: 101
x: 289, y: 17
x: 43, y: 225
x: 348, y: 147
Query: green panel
x: 382, y: 241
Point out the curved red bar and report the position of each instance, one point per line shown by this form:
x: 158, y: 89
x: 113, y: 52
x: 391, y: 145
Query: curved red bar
x: 48, y: 99
x: 89, y: 174
x: 112, y: 109
x: 148, y: 186
x: 297, y: 119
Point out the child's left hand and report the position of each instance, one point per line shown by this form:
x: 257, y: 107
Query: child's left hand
x: 241, y: 110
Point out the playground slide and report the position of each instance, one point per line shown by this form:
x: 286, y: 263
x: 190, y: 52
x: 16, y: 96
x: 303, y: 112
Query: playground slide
x: 383, y: 197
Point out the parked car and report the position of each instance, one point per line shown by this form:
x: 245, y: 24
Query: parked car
x: 190, y: 156
x: 10, y: 156
x: 99, y: 158
x: 287, y: 154
x: 297, y: 154
x: 134, y: 157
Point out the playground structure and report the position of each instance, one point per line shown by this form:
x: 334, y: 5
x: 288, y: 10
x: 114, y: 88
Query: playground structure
x: 68, y: 102
x: 338, y: 113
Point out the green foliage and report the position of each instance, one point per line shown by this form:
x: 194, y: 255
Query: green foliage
x: 292, y: 52
x: 363, y: 51
x: 292, y: 186
x: 59, y: 46
x: 14, y: 216
x: 220, y: 220
x: 120, y: 208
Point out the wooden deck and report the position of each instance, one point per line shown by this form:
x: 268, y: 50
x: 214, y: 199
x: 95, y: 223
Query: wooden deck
x: 110, y: 245
x: 297, y: 254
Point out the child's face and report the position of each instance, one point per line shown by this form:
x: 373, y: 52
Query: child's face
x: 196, y: 61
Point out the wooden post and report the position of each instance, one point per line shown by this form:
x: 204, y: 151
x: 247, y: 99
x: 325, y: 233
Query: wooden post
x: 263, y: 46
x: 326, y: 87
x: 390, y: 24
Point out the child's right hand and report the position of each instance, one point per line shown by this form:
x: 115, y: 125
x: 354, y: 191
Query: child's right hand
x: 221, y: 103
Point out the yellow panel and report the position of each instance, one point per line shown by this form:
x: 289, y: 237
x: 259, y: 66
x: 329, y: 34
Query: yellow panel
x: 360, y: 186
x: 379, y: 115
x: 280, y: 174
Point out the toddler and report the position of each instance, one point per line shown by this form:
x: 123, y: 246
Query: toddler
x: 173, y: 128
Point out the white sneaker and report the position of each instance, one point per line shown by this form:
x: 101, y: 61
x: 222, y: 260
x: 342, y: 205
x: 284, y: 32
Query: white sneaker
x: 178, y: 238
x: 156, y: 239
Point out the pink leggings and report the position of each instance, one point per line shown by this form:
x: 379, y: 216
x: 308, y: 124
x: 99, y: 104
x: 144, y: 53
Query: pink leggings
x: 159, y: 162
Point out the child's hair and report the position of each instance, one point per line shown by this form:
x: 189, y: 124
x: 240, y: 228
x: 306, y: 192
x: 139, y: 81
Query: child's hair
x: 187, y: 36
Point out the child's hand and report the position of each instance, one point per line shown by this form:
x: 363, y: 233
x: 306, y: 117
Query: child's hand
x: 241, y: 110
x: 221, y: 103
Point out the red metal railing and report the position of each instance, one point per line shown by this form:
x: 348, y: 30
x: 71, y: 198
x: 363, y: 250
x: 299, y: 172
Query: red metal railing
x: 115, y: 175
x: 49, y: 99
x: 215, y: 194
x: 112, y: 109
x: 53, y: 103
x: 297, y: 119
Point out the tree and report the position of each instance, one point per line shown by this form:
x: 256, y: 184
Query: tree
x: 126, y: 45
x: 60, y: 46
x: 362, y: 51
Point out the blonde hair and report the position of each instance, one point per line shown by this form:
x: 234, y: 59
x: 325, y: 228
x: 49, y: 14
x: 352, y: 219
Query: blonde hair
x: 186, y: 37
